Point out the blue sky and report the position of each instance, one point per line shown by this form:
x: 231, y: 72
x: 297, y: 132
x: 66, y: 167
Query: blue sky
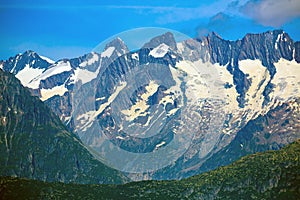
x: 65, y: 29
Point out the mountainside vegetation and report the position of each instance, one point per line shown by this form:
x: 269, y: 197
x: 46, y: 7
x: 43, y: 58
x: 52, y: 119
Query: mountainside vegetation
x: 268, y: 175
x: 35, y: 144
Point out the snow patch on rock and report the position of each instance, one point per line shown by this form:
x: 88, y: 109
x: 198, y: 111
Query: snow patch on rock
x: 160, y: 51
x: 90, y: 61
x: 27, y: 74
x: 108, y: 52
x: 47, y: 59
x: 57, y: 90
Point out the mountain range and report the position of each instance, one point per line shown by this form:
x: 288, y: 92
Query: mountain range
x: 186, y: 106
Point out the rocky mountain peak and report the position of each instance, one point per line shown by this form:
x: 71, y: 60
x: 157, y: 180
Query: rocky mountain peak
x: 118, y: 45
x: 20, y: 61
x: 30, y: 53
x: 167, y: 38
x: 214, y: 35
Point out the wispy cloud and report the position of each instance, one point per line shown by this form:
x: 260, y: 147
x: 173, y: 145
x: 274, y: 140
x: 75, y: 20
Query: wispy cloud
x: 174, y: 14
x: 161, y: 14
x: 271, y: 12
x: 266, y: 12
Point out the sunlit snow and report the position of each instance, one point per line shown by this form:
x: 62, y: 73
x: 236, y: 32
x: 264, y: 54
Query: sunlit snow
x: 27, y: 74
x: 160, y: 51
x: 108, y: 52
x: 47, y: 59
x: 90, y: 61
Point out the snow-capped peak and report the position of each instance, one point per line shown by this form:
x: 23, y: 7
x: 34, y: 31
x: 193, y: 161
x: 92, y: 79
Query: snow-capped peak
x: 114, y: 48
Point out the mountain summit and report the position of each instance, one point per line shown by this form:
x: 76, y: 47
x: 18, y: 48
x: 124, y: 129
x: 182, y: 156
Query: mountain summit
x: 167, y: 38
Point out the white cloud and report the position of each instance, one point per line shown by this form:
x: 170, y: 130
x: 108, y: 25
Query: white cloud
x: 272, y: 12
